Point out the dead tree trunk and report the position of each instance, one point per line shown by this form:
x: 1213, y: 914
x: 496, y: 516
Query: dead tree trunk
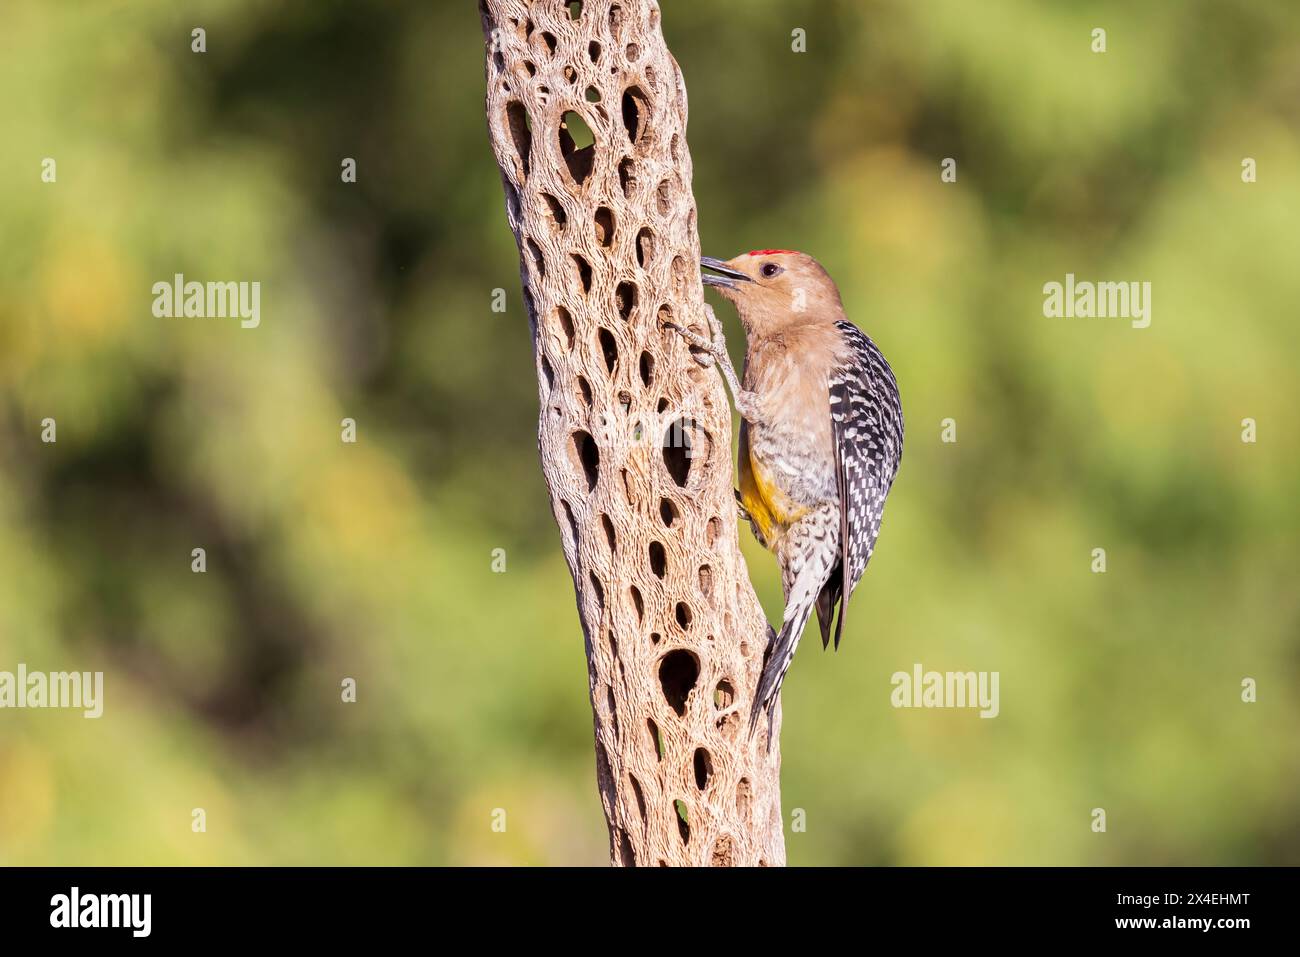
x: 635, y: 436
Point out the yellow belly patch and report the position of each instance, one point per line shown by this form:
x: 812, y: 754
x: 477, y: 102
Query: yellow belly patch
x: 770, y: 508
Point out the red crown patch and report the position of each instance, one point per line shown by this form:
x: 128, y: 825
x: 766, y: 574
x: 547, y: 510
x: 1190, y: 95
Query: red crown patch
x: 771, y: 252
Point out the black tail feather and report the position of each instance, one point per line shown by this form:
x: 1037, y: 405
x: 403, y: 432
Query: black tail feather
x: 830, y: 594
x: 769, y: 683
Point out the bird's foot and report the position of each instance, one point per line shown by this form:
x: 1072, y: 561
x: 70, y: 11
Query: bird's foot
x: 703, y: 351
x: 710, y: 351
x: 747, y: 405
x: 740, y: 507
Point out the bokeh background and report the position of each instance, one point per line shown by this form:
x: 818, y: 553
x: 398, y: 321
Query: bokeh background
x: 1118, y: 690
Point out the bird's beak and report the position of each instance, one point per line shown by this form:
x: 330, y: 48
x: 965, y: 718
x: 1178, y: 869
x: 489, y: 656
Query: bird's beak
x: 728, y: 278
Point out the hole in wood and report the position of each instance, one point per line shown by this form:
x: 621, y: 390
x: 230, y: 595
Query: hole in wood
x: 645, y: 248
x: 602, y: 762
x: 683, y: 615
x: 637, y: 602
x: 584, y: 391
x: 521, y: 133
x: 683, y: 443
x: 723, y: 695
x: 608, y: 526
x: 575, y: 9
x: 634, y: 113
x: 565, y: 322
x: 599, y: 590
x: 744, y: 795
x: 662, y: 405
x: 608, y: 348
x: 577, y: 146
x: 573, y: 522
x: 587, y: 456
x: 547, y: 373
x: 633, y: 52
x: 593, y: 51
x: 655, y: 638
x: 647, y: 369
x: 658, y: 559
x: 604, y: 220
x: 640, y: 796
x: 626, y: 176
x: 539, y: 262
x: 724, y: 854
x: 558, y: 216
x: 549, y: 40
x: 681, y: 277
x: 678, y: 461
x: 668, y: 513
x: 531, y: 310
x: 583, y: 269
x: 706, y: 581
x: 625, y: 297
x: 592, y: 95
x: 683, y: 823
x: 703, y: 768
x: 678, y: 672
x: 656, y: 743
x: 664, y: 200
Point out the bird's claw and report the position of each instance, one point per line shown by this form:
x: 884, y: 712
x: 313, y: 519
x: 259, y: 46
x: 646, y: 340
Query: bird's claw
x: 740, y: 507
x: 714, y: 352
x: 702, y: 350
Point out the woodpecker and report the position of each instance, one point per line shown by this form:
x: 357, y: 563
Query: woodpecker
x: 821, y: 437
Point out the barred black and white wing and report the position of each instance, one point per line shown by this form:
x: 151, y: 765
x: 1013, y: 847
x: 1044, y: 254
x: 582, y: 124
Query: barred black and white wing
x: 867, y: 429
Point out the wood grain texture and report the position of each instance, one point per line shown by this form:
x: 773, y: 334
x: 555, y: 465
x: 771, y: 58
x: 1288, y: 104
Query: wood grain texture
x: 634, y: 435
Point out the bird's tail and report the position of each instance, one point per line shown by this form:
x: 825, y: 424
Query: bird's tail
x: 826, y: 601
x: 776, y: 661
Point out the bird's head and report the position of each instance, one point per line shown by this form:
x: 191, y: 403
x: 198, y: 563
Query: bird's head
x: 773, y: 289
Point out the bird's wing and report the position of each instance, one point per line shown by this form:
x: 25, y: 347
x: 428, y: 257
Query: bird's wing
x: 867, y: 427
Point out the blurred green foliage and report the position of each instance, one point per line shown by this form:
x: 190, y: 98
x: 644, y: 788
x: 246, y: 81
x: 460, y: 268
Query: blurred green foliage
x: 373, y: 560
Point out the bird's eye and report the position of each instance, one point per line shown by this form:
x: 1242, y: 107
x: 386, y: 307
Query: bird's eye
x: 770, y: 269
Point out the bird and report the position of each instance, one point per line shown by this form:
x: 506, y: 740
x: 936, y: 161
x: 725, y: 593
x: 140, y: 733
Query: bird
x: 821, y: 438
